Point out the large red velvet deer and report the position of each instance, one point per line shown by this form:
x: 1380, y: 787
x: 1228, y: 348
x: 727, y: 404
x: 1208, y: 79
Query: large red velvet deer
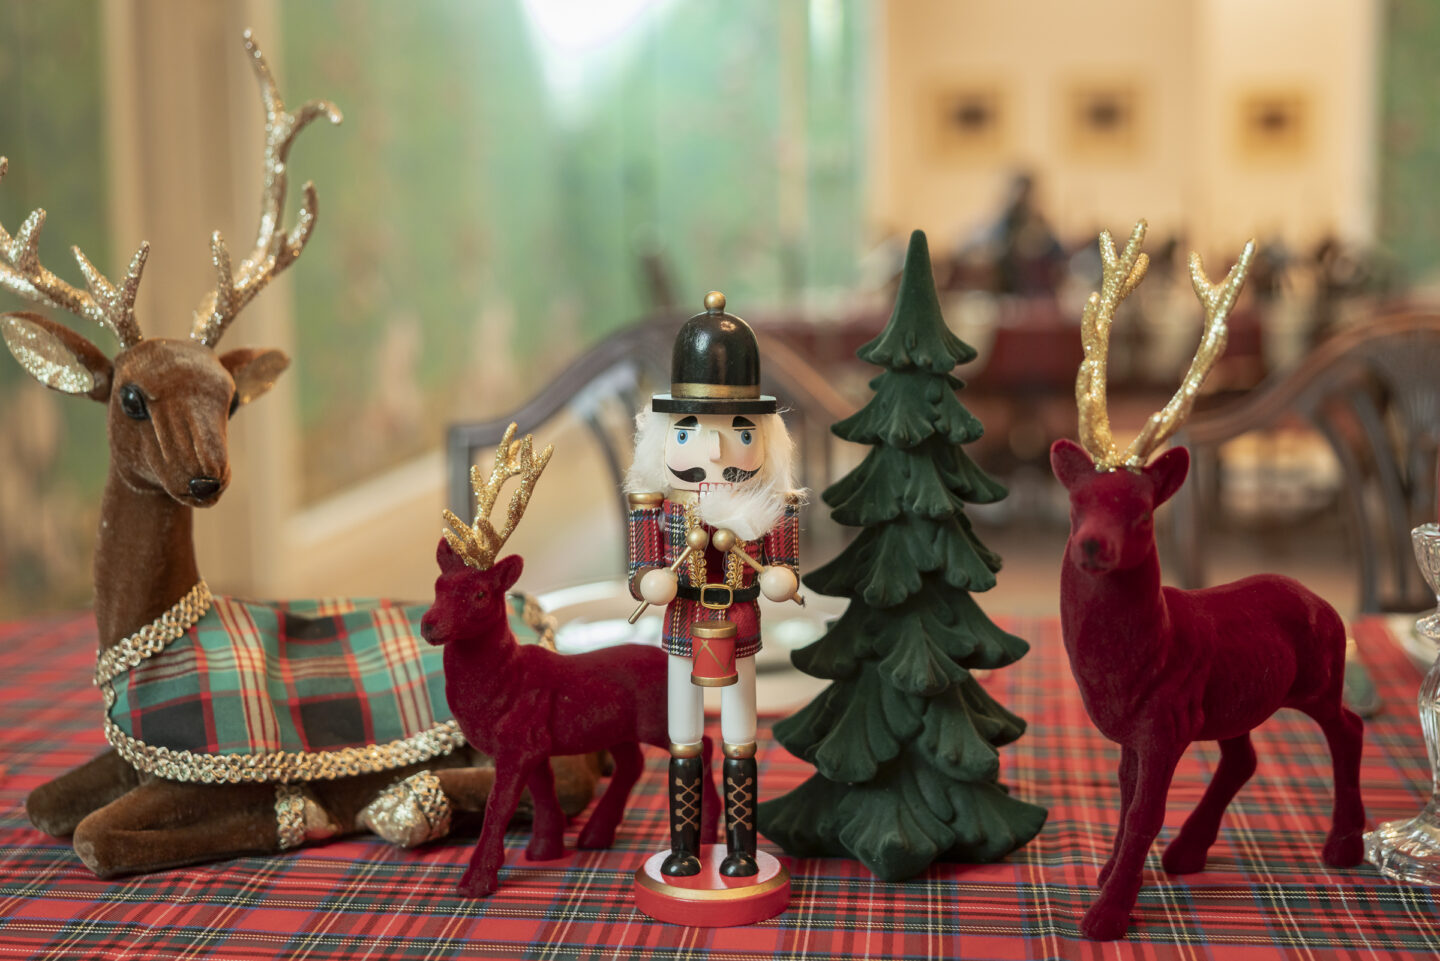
x: 1160, y: 667
x: 523, y: 704
x: 139, y: 807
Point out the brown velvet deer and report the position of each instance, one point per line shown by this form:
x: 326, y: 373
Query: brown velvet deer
x: 524, y: 704
x: 135, y: 808
x: 1159, y: 667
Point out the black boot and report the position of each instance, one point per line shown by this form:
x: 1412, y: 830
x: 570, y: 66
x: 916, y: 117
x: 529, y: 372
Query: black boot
x: 740, y: 792
x: 684, y: 859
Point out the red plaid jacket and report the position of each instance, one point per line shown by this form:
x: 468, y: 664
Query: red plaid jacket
x: 657, y: 537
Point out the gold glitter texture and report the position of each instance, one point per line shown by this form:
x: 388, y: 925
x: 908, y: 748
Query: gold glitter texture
x: 1120, y: 274
x: 43, y: 354
x: 479, y: 544
x: 274, y: 249
x: 107, y: 305
x: 410, y: 812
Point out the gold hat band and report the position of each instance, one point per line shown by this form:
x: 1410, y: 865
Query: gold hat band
x: 715, y: 391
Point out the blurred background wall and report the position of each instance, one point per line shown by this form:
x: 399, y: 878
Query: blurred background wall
x: 517, y: 179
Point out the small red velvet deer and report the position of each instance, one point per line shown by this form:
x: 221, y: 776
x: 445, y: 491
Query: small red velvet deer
x: 169, y: 403
x: 1160, y: 667
x: 523, y: 704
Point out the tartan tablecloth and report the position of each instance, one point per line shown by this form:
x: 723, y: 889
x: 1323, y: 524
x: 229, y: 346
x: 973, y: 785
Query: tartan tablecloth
x: 1264, y: 895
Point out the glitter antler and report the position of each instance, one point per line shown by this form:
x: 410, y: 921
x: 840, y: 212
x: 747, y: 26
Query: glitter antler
x: 1120, y: 275
x: 274, y: 249
x: 107, y: 305
x: 479, y: 544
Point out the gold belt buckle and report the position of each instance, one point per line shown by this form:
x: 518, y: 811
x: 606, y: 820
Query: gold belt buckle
x: 729, y: 597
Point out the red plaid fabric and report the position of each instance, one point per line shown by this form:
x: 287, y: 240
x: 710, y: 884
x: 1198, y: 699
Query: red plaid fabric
x: 1265, y: 894
x: 657, y: 537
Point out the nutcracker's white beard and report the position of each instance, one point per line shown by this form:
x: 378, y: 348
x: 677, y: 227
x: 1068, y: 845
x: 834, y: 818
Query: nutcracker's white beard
x: 748, y: 509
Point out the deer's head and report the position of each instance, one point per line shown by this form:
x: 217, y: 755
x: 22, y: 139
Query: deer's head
x: 470, y: 591
x: 1113, y: 494
x: 169, y: 400
x: 1111, y: 512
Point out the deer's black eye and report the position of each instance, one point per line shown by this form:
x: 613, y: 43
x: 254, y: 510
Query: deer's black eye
x: 132, y: 402
x: 479, y: 595
x: 234, y: 403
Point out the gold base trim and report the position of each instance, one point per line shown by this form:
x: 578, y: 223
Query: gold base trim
x: 738, y: 751
x: 686, y: 750
x: 714, y: 681
x: 283, y: 766
x: 647, y: 882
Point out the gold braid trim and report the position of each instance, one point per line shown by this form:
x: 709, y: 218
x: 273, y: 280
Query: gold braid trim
x: 153, y: 638
x: 289, y: 816
x: 283, y: 766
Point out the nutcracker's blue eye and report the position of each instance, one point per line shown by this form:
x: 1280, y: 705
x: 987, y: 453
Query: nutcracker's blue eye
x: 746, y: 437
x: 681, y: 436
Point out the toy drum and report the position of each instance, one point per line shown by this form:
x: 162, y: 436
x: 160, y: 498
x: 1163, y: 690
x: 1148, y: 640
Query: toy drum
x: 712, y: 654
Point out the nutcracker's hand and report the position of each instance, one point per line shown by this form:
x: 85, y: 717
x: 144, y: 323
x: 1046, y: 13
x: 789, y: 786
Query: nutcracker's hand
x: 778, y: 583
x: 658, y: 586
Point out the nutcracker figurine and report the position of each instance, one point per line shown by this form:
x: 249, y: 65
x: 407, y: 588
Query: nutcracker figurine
x: 713, y: 525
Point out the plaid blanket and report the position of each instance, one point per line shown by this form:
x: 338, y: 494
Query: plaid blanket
x: 298, y: 676
x: 1265, y: 894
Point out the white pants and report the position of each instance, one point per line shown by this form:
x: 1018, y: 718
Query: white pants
x: 687, y: 704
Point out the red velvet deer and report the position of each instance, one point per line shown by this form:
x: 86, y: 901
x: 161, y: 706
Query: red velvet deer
x: 1159, y: 667
x: 523, y: 704
x: 135, y: 808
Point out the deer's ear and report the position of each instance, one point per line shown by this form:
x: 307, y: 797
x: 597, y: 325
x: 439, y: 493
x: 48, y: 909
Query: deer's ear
x: 254, y: 371
x: 507, y: 571
x: 1168, y: 473
x: 56, y: 356
x: 1070, y: 462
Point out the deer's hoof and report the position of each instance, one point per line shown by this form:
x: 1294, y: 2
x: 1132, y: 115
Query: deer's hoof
x: 1345, y: 851
x: 1103, y: 923
x: 477, y: 884
x: 596, y: 837
x: 545, y: 849
x: 1183, y: 858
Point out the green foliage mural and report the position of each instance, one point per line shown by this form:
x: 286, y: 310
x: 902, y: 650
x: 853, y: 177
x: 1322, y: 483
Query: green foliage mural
x: 1409, y: 151
x: 505, y: 170
x: 52, y: 448
x: 904, y: 740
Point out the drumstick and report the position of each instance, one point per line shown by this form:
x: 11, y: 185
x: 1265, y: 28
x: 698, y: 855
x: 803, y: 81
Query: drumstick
x: 726, y: 542
x: 696, y: 540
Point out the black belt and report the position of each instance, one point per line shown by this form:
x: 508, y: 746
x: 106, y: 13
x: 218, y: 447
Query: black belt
x: 717, y: 596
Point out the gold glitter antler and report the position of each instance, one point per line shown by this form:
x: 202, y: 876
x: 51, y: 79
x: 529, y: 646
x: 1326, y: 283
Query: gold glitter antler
x: 274, y: 249
x: 1119, y: 276
x: 1217, y: 301
x: 22, y: 273
x: 479, y: 544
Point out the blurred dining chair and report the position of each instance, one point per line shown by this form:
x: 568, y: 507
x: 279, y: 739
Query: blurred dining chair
x: 1372, y: 391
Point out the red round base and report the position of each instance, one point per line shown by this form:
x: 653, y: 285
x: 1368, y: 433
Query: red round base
x: 710, y: 899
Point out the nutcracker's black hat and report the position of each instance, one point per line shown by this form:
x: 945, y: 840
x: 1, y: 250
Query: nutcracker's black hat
x: 714, y: 366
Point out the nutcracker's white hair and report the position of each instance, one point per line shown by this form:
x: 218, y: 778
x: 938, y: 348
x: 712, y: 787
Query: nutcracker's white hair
x: 750, y: 510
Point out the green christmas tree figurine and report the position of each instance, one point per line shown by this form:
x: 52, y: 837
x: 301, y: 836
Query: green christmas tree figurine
x: 905, y: 740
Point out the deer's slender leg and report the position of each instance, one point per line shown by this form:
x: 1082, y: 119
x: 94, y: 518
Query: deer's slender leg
x: 1127, y: 793
x: 1109, y: 916
x: 161, y: 824
x: 57, y: 807
x: 1344, y: 732
x: 1186, y: 854
x: 547, y: 830
x: 599, y: 831
x: 483, y: 875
